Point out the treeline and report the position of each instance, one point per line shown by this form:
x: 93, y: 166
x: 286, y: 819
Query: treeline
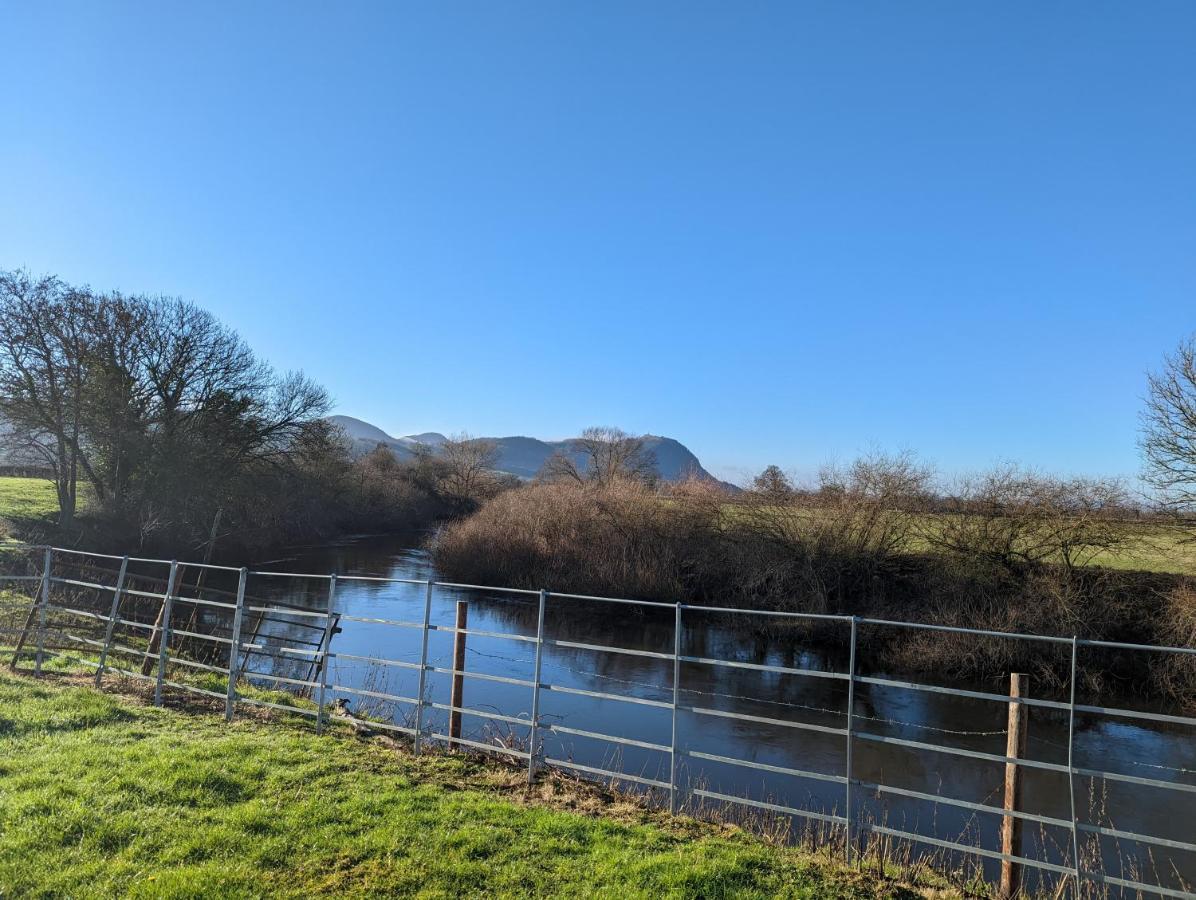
x: 179, y: 438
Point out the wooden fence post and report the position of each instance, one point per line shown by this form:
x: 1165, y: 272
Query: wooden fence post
x: 455, y: 698
x: 1015, y: 748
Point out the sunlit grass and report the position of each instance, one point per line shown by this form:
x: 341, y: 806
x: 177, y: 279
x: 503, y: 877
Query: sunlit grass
x: 27, y: 498
x: 101, y: 797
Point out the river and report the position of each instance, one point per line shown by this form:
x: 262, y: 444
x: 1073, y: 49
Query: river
x: 1111, y: 744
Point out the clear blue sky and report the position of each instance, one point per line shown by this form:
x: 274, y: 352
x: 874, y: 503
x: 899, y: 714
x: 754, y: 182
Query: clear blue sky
x: 780, y: 232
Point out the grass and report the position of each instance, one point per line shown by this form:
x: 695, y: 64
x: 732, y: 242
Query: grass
x: 1156, y: 548
x: 1148, y: 546
x: 27, y: 498
x: 101, y: 796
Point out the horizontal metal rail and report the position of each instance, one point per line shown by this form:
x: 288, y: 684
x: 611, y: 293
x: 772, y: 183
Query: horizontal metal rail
x: 772, y: 807
x: 601, y: 648
x: 601, y: 695
x: 380, y: 578
x: 610, y: 738
x: 965, y: 848
x: 1136, y: 714
x: 470, y: 711
x: 371, y: 621
x: 594, y: 770
x: 962, y: 804
x: 191, y: 664
x: 483, y: 587
x: 782, y: 614
x: 478, y: 745
x: 506, y: 635
x: 282, y: 707
x: 375, y: 660
x: 1137, y: 885
x: 960, y: 692
x: 278, y: 679
x: 1132, y: 836
x: 480, y: 676
x: 981, y: 632
x: 762, y: 767
x: 960, y: 751
x: 377, y: 695
x: 763, y: 720
x: 1136, y: 779
x: 190, y: 688
x: 256, y: 573
x: 288, y: 611
x: 760, y: 667
x: 649, y: 603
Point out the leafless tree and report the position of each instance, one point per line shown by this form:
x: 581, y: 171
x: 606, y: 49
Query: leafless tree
x: 44, y: 335
x: 1015, y: 518
x: 469, y: 462
x: 1168, y: 438
x: 773, y: 484
x: 602, y: 456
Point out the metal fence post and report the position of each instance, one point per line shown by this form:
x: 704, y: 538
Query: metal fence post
x: 535, y: 732
x: 164, y: 632
x: 111, y: 629
x: 423, y: 668
x: 234, y: 650
x: 326, y: 647
x: 676, y: 700
x: 42, y: 613
x: 850, y: 763
x: 1071, y: 769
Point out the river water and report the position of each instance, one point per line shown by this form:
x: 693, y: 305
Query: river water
x: 1118, y: 745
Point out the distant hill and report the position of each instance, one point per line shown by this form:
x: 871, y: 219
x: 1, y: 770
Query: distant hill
x: 519, y: 455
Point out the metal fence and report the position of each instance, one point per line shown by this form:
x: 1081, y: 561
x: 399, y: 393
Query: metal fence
x: 135, y: 632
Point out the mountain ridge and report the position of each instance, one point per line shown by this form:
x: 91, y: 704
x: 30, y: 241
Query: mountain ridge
x: 521, y: 455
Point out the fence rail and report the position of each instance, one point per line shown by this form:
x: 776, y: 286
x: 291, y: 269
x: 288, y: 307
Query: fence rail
x: 89, y: 600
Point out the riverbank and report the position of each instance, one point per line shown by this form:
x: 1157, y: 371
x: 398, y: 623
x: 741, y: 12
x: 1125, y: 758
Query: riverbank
x: 103, y: 796
x: 626, y: 540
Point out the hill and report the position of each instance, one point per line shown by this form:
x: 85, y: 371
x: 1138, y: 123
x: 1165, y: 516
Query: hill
x: 520, y: 455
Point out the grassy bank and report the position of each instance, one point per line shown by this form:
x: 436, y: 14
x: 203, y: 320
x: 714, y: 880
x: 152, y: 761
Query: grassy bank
x: 101, y: 796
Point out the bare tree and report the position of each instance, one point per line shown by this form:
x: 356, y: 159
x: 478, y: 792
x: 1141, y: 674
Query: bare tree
x: 1015, y: 518
x: 469, y: 462
x: 1168, y: 438
x: 773, y: 484
x: 44, y: 332
x: 602, y: 456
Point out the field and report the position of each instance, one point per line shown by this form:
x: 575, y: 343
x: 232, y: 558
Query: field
x: 27, y: 498
x: 101, y: 796
x: 1147, y: 547
x: 1154, y: 548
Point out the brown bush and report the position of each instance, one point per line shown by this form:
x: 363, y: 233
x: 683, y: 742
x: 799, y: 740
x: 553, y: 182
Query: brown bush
x: 841, y: 549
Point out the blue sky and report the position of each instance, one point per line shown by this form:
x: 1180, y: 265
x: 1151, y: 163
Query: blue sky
x: 780, y: 232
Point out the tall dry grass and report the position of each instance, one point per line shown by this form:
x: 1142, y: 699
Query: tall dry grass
x: 843, y: 551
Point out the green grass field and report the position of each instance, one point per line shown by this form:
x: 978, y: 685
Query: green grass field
x: 27, y: 498
x: 103, y: 797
